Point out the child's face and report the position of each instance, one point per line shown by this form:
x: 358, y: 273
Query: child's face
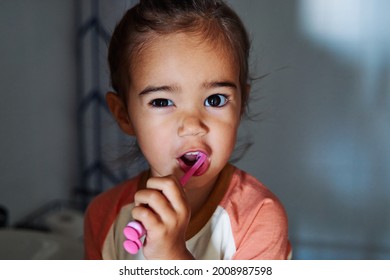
x: 184, y: 97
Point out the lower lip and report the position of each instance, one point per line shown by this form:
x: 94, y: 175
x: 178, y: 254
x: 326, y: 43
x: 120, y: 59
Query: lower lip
x: 201, y: 170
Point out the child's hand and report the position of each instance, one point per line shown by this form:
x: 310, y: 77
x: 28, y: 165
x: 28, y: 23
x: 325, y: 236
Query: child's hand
x: 163, y: 210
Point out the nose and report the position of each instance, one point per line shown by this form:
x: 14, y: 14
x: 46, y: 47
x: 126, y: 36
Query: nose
x: 192, y: 125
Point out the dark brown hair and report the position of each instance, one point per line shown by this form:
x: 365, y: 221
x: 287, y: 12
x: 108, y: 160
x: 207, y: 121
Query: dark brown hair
x: 211, y: 19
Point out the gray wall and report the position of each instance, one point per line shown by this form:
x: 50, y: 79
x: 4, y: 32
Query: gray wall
x: 321, y: 144
x: 37, y: 115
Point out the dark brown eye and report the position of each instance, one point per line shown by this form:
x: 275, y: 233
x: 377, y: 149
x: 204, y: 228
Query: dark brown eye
x: 216, y: 100
x: 161, y: 102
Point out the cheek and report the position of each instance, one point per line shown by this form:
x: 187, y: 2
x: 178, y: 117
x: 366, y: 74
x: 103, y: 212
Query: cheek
x: 224, y: 138
x: 150, y: 137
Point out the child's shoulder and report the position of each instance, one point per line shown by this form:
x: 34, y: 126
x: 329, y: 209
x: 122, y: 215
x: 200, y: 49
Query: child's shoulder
x: 249, y: 194
x: 256, y: 213
x: 246, y: 184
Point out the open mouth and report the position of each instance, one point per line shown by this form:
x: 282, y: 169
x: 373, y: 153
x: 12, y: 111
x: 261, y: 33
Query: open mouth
x: 187, y: 160
x: 190, y: 158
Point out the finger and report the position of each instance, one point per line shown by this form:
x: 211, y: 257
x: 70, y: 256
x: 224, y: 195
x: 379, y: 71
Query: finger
x: 172, y: 190
x: 155, y: 201
x: 146, y: 216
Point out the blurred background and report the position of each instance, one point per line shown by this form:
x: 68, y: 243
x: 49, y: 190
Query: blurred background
x: 321, y: 141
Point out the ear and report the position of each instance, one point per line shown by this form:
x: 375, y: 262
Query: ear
x: 119, y: 111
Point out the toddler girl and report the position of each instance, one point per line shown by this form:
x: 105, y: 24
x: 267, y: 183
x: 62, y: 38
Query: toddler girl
x: 179, y: 70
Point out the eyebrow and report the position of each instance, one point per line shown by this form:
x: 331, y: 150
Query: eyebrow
x: 174, y: 88
x: 218, y: 84
x: 151, y: 89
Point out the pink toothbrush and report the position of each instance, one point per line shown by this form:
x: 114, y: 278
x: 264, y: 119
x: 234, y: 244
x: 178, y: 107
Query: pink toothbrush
x: 199, y: 161
x: 135, y: 230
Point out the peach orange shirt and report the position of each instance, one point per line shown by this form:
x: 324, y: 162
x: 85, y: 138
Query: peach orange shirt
x: 242, y: 219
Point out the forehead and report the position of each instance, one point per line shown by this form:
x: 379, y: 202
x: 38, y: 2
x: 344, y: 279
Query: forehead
x: 183, y: 52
